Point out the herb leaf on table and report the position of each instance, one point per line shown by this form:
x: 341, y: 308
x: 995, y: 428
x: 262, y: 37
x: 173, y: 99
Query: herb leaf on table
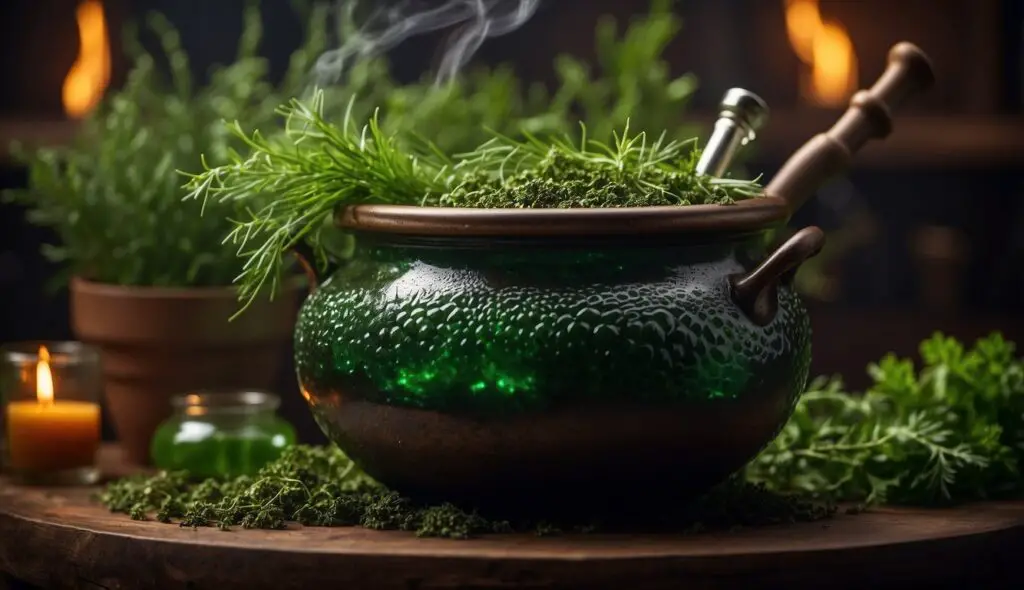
x: 952, y: 431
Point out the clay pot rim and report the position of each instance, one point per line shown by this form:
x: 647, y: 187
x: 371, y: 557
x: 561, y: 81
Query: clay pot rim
x: 757, y: 213
x: 86, y: 286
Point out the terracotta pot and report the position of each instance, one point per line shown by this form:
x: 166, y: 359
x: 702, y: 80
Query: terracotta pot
x: 157, y: 342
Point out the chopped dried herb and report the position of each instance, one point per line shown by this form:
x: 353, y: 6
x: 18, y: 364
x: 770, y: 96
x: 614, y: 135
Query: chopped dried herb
x: 289, y: 183
x: 634, y: 171
x: 319, y: 486
x: 952, y: 432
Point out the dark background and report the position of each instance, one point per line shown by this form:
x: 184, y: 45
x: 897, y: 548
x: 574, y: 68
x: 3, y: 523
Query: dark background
x: 936, y: 213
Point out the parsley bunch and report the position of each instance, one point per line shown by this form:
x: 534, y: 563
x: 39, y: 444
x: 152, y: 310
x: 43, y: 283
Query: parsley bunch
x: 952, y: 431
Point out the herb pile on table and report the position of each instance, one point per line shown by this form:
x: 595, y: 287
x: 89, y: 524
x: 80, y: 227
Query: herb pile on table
x: 319, y: 486
x: 950, y: 432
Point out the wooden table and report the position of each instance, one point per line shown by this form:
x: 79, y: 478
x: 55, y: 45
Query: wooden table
x: 59, y: 538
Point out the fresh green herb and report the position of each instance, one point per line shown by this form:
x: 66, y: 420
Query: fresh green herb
x: 316, y: 167
x: 632, y: 172
x: 290, y: 182
x: 312, y: 168
x: 951, y: 432
x: 319, y: 486
x: 114, y: 195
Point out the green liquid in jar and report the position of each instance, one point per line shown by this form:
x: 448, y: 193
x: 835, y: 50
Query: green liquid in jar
x: 205, y: 450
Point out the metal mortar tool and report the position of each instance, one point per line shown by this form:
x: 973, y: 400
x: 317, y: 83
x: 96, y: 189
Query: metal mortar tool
x: 741, y: 115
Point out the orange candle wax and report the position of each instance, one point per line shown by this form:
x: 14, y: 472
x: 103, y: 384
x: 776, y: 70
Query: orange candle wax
x: 52, y: 436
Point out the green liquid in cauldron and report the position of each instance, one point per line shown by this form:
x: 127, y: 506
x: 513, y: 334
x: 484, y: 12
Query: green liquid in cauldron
x: 475, y: 372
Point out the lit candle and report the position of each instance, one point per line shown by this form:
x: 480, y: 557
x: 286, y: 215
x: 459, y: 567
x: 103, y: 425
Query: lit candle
x: 50, y: 434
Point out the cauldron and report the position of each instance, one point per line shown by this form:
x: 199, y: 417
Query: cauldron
x: 573, y: 358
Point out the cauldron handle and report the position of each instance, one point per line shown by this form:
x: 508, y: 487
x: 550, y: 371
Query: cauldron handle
x: 756, y: 292
x: 868, y: 117
x: 307, y: 260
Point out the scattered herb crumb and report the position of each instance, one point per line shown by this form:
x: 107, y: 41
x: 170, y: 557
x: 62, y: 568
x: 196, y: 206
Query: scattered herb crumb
x: 137, y: 512
x: 547, y: 529
x: 319, y: 486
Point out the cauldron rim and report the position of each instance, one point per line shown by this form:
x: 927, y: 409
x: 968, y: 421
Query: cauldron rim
x: 758, y: 213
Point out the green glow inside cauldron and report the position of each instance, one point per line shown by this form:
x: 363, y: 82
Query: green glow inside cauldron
x: 502, y: 330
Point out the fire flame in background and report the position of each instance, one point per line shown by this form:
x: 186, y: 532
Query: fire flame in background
x: 90, y: 74
x: 826, y: 48
x: 44, y: 379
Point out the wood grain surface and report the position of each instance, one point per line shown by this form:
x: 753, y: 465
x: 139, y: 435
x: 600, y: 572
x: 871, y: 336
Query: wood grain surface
x: 60, y: 538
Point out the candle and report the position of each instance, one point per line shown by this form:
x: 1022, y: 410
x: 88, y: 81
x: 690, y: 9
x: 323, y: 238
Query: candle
x: 50, y: 434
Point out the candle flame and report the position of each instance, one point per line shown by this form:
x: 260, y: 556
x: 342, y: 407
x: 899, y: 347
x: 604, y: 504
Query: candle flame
x: 825, y: 47
x: 90, y: 74
x: 44, y: 378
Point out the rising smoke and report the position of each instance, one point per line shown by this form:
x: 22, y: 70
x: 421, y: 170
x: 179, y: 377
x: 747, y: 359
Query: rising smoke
x: 388, y: 26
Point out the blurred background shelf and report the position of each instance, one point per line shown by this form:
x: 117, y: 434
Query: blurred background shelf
x: 35, y: 131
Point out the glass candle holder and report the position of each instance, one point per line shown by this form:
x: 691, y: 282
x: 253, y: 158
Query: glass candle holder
x: 51, y: 412
x: 221, y: 434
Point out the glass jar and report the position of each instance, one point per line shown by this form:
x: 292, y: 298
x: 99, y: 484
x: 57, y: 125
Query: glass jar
x: 221, y: 434
x: 50, y: 412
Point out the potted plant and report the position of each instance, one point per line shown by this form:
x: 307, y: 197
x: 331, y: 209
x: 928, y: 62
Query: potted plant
x: 150, y: 279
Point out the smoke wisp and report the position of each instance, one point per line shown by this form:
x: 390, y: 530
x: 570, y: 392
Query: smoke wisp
x: 477, y: 20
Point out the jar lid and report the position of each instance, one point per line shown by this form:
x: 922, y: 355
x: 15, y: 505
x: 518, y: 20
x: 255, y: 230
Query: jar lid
x: 225, y: 402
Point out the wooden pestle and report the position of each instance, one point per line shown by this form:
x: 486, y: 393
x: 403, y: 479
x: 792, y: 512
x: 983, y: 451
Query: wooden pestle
x: 868, y: 117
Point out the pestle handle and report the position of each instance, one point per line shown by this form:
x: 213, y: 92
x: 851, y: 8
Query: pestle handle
x: 868, y: 117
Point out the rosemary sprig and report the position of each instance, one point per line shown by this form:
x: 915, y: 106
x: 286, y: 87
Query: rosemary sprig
x: 296, y: 179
